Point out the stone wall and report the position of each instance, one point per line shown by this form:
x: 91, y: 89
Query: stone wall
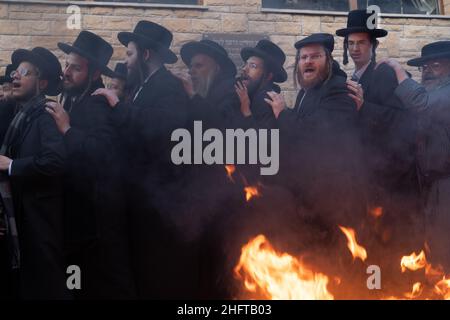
x: 26, y: 25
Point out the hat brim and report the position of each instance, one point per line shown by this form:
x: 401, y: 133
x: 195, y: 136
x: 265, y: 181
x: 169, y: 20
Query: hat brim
x: 417, y: 62
x: 54, y: 81
x: 377, y: 33
x: 168, y: 56
x: 280, y: 75
x: 189, y: 50
x: 67, y: 49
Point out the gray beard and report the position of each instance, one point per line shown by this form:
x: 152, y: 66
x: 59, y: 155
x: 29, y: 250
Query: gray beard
x: 202, y: 85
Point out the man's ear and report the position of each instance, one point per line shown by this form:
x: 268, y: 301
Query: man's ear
x: 146, y: 54
x: 269, y: 77
x: 43, y: 85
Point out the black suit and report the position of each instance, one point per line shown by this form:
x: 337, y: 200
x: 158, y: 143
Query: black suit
x: 38, y: 163
x: 96, y: 221
x: 154, y: 184
x: 321, y: 157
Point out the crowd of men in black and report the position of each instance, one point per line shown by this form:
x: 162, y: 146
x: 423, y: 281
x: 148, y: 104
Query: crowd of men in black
x: 89, y: 181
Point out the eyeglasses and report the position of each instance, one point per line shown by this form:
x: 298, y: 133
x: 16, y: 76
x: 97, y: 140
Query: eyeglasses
x: 435, y: 66
x: 313, y: 57
x: 251, y: 65
x: 23, y: 73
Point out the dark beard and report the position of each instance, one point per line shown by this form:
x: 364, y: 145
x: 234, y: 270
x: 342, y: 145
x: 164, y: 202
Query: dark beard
x: 137, y: 76
x: 254, y: 86
x: 321, y: 77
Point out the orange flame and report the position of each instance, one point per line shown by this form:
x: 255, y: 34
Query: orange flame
x: 356, y: 250
x: 416, y: 291
x: 251, y: 192
x: 376, y: 212
x: 414, y: 262
x: 230, y: 170
x: 271, y: 275
x: 443, y: 288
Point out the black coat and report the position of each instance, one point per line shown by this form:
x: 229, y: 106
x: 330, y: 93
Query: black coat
x: 389, y: 132
x: 154, y: 186
x: 321, y: 159
x: 38, y: 163
x: 96, y: 221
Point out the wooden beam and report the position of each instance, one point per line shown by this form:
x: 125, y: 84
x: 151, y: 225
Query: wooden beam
x: 442, y: 8
x: 353, y: 4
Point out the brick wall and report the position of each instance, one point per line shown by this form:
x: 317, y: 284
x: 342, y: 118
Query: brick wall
x: 29, y: 25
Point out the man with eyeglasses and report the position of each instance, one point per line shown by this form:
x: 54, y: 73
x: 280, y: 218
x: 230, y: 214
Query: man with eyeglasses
x: 387, y: 129
x: 431, y: 101
x: 320, y: 152
x: 32, y: 159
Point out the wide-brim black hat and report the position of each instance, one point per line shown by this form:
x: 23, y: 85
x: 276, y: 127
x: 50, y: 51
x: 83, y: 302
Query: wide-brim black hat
x: 325, y: 39
x: 272, y: 55
x: 93, y: 48
x: 357, y: 22
x: 120, y: 71
x: 152, y: 36
x: 7, y: 77
x: 47, y: 63
x: 435, y: 50
x: 212, y: 49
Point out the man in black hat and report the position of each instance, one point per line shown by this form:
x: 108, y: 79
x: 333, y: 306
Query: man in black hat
x: 388, y: 130
x: 158, y: 107
x: 263, y: 67
x: 211, y: 84
x: 95, y: 218
x: 430, y: 101
x: 32, y: 162
x: 320, y: 152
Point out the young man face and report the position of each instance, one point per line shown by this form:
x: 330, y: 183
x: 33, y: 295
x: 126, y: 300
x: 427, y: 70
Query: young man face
x: 253, y: 74
x: 312, y: 68
x: 203, y: 70
x: 26, y: 82
x: 76, y: 73
x: 435, y: 72
x: 360, y: 48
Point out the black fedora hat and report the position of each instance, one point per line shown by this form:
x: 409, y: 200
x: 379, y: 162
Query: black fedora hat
x: 435, y: 50
x: 120, y: 71
x: 212, y: 49
x: 357, y: 22
x: 7, y: 77
x: 92, y: 47
x: 46, y: 62
x: 153, y: 36
x: 325, y: 39
x: 271, y: 54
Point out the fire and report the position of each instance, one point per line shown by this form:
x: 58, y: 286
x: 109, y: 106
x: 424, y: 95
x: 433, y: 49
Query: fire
x: 376, y: 212
x: 250, y: 192
x: 413, y: 262
x: 272, y: 275
x: 230, y: 170
x: 416, y: 291
x: 356, y: 250
x: 443, y: 288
